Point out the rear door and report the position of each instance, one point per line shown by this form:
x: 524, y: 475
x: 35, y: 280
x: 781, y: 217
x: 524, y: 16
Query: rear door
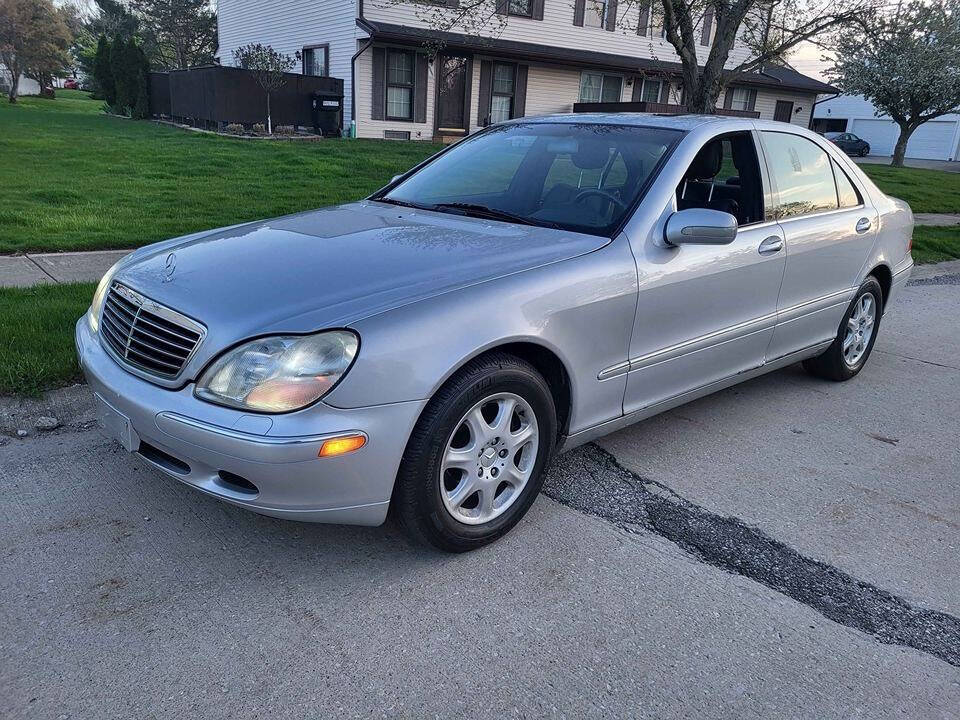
x: 829, y: 231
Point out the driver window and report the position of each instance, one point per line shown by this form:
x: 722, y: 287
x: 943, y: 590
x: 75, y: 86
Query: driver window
x: 725, y: 176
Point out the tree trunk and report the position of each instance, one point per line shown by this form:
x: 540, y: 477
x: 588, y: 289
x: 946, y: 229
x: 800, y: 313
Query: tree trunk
x: 901, y: 147
x: 269, y: 124
x: 14, y: 86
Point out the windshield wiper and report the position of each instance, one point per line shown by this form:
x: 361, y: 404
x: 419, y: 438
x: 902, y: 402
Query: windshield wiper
x: 404, y: 203
x: 483, y: 211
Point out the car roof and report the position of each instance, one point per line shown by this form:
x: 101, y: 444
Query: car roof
x: 675, y: 122
x: 832, y: 134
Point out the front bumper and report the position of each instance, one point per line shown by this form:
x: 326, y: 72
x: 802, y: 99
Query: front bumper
x: 210, y: 447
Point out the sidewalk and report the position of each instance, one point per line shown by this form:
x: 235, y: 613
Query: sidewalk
x: 69, y: 267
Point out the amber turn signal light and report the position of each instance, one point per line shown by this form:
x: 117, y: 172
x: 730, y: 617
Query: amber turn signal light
x: 341, y: 445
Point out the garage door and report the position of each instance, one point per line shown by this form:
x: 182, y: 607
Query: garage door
x: 930, y: 141
x: 881, y: 134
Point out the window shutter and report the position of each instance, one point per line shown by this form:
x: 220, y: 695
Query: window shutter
x: 637, y: 94
x: 644, y: 23
x: 752, y: 100
x: 503, y: 7
x: 520, y: 91
x: 665, y: 91
x: 707, y: 27
x: 538, y: 9
x: 611, y: 15
x: 486, y: 88
x: 420, y: 89
x: 578, y: 10
x: 379, y: 83
x: 728, y: 99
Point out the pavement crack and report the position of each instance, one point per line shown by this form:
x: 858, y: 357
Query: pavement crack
x: 41, y: 268
x: 592, y: 481
x: 919, y: 360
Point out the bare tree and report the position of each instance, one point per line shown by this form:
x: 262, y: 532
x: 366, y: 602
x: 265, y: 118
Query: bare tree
x: 769, y: 29
x: 180, y: 33
x: 269, y: 67
x: 906, y: 63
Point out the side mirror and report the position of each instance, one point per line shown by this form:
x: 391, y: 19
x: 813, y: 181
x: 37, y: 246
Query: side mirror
x: 699, y: 226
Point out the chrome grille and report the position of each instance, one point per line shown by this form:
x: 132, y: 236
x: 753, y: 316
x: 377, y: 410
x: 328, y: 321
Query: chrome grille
x: 146, y: 335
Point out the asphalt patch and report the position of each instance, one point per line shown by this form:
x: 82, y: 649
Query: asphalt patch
x: 591, y: 481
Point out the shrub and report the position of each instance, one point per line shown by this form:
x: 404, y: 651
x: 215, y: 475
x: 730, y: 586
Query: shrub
x: 235, y: 129
x: 103, y: 73
x: 284, y: 130
x: 259, y: 129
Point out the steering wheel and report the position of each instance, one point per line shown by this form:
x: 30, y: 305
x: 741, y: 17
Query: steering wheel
x: 601, y: 193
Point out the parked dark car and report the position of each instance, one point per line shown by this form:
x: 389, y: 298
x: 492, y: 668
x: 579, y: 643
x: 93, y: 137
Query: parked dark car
x: 849, y: 143
x: 71, y: 84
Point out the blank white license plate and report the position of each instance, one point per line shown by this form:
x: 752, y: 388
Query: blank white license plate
x: 116, y: 425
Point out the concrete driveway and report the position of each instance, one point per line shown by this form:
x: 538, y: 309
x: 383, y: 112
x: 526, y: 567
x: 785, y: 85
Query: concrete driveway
x: 787, y: 548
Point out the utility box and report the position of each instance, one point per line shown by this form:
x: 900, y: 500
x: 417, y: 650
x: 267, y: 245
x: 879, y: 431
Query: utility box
x: 326, y: 109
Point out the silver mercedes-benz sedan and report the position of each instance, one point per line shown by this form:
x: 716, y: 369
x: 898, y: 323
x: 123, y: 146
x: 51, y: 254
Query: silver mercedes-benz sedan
x: 537, y: 285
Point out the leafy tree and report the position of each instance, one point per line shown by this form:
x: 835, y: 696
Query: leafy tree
x: 118, y: 72
x: 268, y: 66
x: 906, y: 63
x: 770, y: 29
x: 102, y: 71
x: 34, y: 40
x: 180, y: 33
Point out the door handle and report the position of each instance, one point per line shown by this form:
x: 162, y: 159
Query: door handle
x: 771, y: 245
x: 863, y: 224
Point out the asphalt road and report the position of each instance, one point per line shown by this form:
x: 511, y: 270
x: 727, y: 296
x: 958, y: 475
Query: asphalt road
x: 786, y: 548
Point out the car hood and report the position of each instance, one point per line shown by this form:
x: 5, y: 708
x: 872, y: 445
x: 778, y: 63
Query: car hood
x: 331, y: 267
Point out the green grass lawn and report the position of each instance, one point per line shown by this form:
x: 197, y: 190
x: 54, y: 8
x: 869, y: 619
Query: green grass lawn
x: 75, y: 179
x: 36, y: 336
x: 936, y: 244
x: 927, y: 191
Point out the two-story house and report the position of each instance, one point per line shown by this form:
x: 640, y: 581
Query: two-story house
x: 542, y: 56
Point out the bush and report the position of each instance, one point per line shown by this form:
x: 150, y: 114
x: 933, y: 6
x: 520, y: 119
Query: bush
x: 235, y: 129
x: 259, y: 129
x: 285, y: 130
x: 103, y: 74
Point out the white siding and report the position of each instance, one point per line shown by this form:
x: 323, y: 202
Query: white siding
x: 25, y: 87
x: 289, y: 26
x: 557, y: 29
x: 368, y: 128
x: 767, y: 103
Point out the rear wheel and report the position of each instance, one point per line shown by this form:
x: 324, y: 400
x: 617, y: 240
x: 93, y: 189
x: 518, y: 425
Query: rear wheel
x: 475, y: 460
x: 855, y: 337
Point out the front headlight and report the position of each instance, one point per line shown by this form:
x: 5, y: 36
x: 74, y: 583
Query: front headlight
x: 280, y: 373
x: 96, y: 305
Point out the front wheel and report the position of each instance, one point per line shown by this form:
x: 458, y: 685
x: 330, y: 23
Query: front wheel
x: 475, y: 460
x: 855, y: 337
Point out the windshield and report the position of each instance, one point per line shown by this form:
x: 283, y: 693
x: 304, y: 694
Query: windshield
x: 583, y: 177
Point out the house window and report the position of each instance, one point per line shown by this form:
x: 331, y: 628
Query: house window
x: 399, y: 85
x: 741, y: 99
x: 597, y: 87
x: 595, y: 13
x: 316, y: 60
x: 520, y: 8
x: 501, y: 102
x: 650, y: 92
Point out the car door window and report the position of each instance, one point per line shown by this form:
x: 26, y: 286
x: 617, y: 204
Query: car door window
x: 803, y: 175
x: 847, y: 193
x: 725, y: 176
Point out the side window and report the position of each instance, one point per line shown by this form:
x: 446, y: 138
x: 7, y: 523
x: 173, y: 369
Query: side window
x: 802, y: 172
x: 846, y: 191
x: 725, y: 175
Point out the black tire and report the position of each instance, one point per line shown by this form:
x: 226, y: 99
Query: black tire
x: 416, y: 498
x: 864, y: 151
x: 831, y: 364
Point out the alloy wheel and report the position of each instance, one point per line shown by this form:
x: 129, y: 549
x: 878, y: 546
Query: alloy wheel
x: 859, y: 329
x: 488, y: 458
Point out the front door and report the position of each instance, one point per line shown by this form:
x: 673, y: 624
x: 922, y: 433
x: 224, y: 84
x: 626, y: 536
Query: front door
x: 707, y: 312
x: 453, y: 83
x: 783, y: 112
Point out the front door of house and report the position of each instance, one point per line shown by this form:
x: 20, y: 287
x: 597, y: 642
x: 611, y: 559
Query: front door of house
x: 783, y: 112
x: 453, y: 82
